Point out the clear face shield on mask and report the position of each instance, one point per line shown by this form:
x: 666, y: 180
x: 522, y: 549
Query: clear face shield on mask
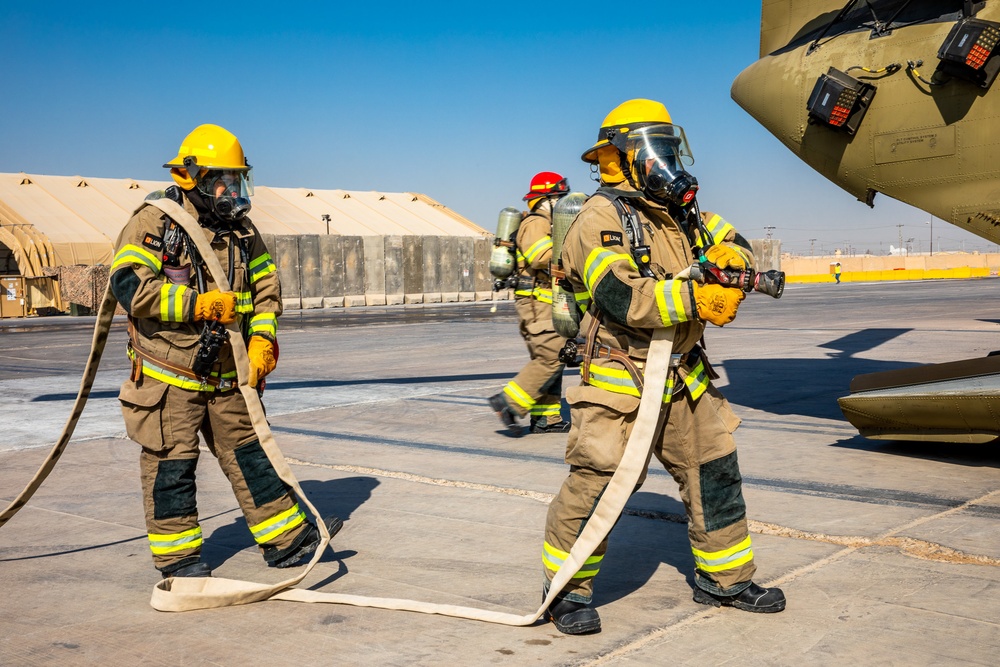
x: 658, y: 155
x: 228, y: 191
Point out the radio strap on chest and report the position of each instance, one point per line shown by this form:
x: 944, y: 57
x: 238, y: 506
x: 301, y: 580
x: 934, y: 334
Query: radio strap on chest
x: 629, y: 216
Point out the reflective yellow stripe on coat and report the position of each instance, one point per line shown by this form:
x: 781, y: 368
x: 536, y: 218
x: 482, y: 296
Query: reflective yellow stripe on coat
x: 717, y: 228
x: 264, y: 324
x: 169, y: 377
x: 670, y: 301
x: 599, y: 262
x: 260, y: 267
x: 538, y: 249
x: 133, y: 254
x: 172, y: 302
x: 619, y: 381
x: 542, y: 294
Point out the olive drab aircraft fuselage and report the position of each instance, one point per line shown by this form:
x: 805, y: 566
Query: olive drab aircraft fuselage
x: 899, y: 98
x: 898, y: 119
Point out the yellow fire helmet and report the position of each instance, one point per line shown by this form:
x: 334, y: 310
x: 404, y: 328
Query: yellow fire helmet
x: 615, y: 138
x: 207, y: 147
x: 626, y: 116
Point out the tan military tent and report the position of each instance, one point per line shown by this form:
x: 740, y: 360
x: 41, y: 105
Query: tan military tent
x: 50, y: 221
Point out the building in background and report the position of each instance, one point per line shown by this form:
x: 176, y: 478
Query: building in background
x: 332, y: 247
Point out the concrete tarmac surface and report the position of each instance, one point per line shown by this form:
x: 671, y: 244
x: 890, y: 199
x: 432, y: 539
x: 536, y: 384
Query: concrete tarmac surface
x: 888, y: 552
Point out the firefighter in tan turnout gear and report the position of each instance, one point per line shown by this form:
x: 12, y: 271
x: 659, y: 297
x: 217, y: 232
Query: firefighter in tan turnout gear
x: 537, y: 389
x: 623, y: 250
x: 184, y: 379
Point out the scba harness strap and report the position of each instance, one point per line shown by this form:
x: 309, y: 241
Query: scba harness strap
x: 632, y: 226
x: 185, y: 594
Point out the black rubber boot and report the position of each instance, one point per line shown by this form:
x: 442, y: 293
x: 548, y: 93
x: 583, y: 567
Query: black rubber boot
x: 753, y: 598
x: 506, y: 415
x: 304, y: 545
x: 195, y: 569
x: 542, y: 425
x: 573, y: 618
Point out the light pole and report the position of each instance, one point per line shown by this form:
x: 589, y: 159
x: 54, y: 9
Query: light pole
x: 931, y: 223
x: 326, y: 219
x: 811, y: 242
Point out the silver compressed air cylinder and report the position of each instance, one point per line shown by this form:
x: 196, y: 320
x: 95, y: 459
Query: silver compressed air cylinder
x: 502, y: 258
x: 565, y: 313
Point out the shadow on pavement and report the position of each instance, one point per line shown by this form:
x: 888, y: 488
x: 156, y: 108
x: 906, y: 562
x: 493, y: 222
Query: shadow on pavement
x: 986, y: 455
x: 639, y: 545
x: 337, y: 497
x: 808, y: 387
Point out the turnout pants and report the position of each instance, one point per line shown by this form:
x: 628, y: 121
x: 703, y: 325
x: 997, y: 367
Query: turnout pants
x: 695, y: 445
x: 166, y: 421
x: 537, y: 389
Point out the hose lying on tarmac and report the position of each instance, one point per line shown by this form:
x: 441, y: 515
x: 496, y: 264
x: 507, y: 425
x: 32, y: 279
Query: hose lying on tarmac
x: 186, y: 594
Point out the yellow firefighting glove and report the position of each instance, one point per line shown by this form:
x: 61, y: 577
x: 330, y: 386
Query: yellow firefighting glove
x: 262, y: 361
x: 717, y: 304
x: 725, y: 257
x: 215, y: 305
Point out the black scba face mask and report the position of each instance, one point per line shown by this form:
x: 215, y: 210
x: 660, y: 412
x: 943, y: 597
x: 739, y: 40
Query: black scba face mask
x: 657, y: 162
x: 666, y: 184
x: 226, y: 195
x: 231, y: 205
x: 656, y: 154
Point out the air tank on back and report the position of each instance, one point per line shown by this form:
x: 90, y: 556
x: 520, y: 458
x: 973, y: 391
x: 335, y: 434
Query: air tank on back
x: 502, y: 258
x: 565, y: 314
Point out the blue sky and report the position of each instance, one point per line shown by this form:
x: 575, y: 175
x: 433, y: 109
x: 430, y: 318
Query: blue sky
x: 459, y: 101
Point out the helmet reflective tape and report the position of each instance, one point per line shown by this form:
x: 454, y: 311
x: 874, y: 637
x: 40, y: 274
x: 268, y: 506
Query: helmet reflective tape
x: 546, y: 183
x: 548, y: 187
